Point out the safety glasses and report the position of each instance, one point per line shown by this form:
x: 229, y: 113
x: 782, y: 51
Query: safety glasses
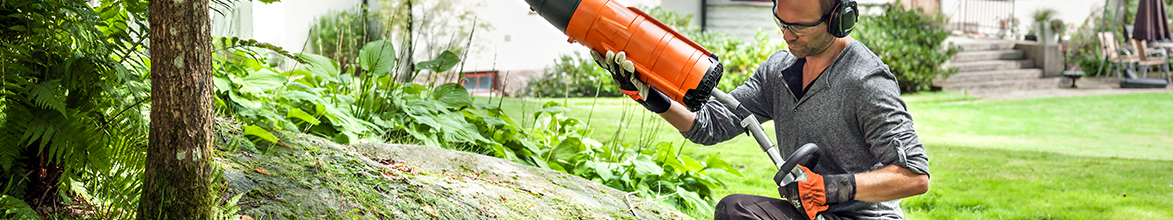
x: 798, y: 29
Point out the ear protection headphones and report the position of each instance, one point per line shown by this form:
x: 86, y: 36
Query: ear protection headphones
x: 841, y: 19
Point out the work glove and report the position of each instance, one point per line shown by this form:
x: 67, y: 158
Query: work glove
x: 623, y: 72
x: 811, y: 193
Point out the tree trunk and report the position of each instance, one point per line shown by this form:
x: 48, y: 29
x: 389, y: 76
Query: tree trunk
x: 178, y: 173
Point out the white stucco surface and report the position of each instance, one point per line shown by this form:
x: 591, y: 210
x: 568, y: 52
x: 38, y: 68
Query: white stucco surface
x: 287, y: 23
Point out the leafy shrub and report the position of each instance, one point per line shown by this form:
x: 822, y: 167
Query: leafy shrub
x: 561, y: 143
x: 742, y: 59
x: 1083, y: 49
x: 317, y: 99
x: 339, y: 35
x: 574, y: 76
x: 910, y: 42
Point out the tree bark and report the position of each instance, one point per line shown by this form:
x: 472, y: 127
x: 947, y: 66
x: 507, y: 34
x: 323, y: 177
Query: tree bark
x: 178, y: 181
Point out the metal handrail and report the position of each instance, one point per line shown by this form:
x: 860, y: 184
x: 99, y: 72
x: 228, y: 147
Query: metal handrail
x: 991, y: 18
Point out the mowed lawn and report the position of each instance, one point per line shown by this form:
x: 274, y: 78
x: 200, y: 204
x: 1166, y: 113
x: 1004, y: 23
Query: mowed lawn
x: 1096, y: 157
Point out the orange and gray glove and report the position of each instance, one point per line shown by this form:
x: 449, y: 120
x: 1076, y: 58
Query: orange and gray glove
x: 811, y: 193
x: 623, y: 72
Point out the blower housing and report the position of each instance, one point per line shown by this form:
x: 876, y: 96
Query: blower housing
x: 665, y: 59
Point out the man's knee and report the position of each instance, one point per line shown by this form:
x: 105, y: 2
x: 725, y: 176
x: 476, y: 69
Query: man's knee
x: 732, y: 205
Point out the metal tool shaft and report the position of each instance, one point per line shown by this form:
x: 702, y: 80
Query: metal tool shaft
x: 752, y: 126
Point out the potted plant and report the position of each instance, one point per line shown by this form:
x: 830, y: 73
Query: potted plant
x: 1042, y: 26
x: 1058, y: 28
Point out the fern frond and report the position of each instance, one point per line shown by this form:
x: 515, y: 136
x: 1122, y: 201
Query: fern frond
x: 48, y: 95
x: 13, y: 123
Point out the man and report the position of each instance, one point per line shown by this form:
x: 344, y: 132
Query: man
x: 826, y: 89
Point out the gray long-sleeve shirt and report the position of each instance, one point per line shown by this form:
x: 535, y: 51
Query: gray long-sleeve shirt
x: 853, y: 111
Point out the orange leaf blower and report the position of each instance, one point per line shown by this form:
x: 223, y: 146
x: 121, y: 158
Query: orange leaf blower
x: 665, y: 60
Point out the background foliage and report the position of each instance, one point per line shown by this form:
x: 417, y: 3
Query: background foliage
x: 910, y: 42
x: 73, y: 116
x: 575, y: 76
x: 348, y: 107
x: 339, y: 35
x: 75, y: 101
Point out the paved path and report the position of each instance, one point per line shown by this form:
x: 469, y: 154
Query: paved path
x: 1087, y: 87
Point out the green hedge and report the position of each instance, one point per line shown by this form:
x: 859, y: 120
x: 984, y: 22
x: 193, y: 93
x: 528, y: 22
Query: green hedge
x: 573, y: 76
x: 910, y: 42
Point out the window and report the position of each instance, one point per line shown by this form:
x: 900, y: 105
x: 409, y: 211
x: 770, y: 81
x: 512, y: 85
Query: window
x: 480, y: 82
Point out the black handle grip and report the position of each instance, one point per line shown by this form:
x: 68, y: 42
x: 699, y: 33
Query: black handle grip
x: 802, y: 153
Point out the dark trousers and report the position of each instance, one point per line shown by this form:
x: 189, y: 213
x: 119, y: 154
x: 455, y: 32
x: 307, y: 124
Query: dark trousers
x: 742, y: 206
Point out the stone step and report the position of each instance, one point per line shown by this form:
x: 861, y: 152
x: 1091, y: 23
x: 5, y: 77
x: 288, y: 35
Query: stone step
x: 972, y: 56
x: 985, y: 45
x: 967, y: 77
x: 981, y: 66
x: 1004, y: 85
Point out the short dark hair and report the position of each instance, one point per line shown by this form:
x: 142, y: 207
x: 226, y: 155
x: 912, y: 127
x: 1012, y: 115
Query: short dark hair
x: 824, y: 5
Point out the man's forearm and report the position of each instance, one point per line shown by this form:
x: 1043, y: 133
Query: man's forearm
x: 888, y: 183
x: 679, y: 117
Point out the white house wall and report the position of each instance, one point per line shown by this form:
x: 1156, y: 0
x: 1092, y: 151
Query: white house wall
x: 1070, y: 11
x: 685, y: 7
x: 287, y: 23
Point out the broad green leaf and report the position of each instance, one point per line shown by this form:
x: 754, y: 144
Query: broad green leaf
x: 412, y: 88
x: 520, y: 144
x: 265, y: 79
x: 674, y: 162
x: 411, y: 130
x: 555, y: 166
x: 708, y: 182
x: 222, y: 84
x: 551, y: 111
x: 17, y: 209
x: 541, y: 163
x: 420, y: 107
x: 260, y: 133
x: 299, y: 114
x: 455, y: 129
x: 442, y: 63
x: 321, y: 66
x: 694, y: 201
x: 377, y: 57
x: 502, y: 152
x: 495, y: 122
x: 690, y: 164
x: 452, y: 95
x: 566, y: 149
x: 344, y: 119
x: 591, y: 143
x: 604, y: 169
x: 294, y: 95
x: 244, y: 102
x: 714, y: 163
x: 644, y: 167
x: 302, y: 78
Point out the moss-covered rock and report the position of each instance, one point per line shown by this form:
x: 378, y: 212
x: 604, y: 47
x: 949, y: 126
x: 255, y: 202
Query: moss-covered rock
x: 306, y: 177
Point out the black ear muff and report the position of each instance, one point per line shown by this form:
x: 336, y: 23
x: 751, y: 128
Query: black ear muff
x: 843, y: 18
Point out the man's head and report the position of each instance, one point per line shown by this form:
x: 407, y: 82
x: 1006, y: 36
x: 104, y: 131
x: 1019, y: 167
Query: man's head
x: 804, y: 25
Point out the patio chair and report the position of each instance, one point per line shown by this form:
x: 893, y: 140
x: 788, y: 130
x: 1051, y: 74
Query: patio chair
x: 1152, y: 57
x: 1122, y: 57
